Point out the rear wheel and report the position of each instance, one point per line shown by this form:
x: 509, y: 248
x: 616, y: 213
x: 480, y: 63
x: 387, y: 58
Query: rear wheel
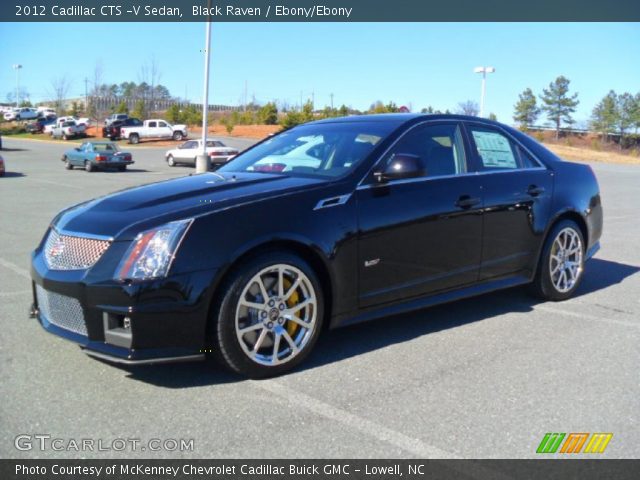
x: 269, y: 317
x: 88, y: 166
x: 122, y: 168
x: 177, y: 136
x: 134, y: 138
x: 561, y: 264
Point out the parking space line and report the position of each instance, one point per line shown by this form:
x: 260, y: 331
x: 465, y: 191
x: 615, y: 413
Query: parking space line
x: 66, y: 185
x: 585, y: 316
x: 23, y: 272
x: 409, y: 444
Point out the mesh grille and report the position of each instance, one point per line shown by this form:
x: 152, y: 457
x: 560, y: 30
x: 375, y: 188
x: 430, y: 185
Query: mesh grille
x: 64, y: 252
x: 64, y: 312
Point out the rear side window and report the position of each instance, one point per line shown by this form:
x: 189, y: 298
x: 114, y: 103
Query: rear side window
x: 152, y: 124
x: 497, y: 152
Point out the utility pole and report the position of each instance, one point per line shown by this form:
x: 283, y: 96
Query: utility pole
x: 86, y: 94
x: 202, y: 161
x: 313, y: 100
x: 17, y: 68
x: 245, y: 95
x: 331, y: 95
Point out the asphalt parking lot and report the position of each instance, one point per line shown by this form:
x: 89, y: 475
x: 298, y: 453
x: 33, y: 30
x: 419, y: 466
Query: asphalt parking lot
x: 481, y: 378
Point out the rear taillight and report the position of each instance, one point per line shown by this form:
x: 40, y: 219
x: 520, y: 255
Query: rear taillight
x: 101, y: 158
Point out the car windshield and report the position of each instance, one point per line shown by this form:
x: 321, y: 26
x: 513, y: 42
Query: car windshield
x: 105, y: 147
x: 318, y: 150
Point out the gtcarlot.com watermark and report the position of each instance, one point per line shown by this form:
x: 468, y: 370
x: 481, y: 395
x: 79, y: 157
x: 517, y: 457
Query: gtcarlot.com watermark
x: 45, y: 442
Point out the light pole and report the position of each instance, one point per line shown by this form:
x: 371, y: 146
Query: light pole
x: 17, y: 67
x: 202, y: 161
x: 483, y: 71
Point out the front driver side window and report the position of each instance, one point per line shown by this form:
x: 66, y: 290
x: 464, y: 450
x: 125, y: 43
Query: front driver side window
x: 439, y: 147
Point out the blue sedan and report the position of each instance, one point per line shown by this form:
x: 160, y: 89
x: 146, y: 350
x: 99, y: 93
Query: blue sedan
x: 97, y: 155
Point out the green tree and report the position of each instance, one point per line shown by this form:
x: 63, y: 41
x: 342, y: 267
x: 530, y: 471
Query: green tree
x: 191, y: 115
x: 493, y: 116
x: 74, y: 110
x: 526, y: 110
x: 139, y: 110
x: 228, y: 124
x: 636, y: 111
x: 604, y: 115
x: 626, y: 113
x: 343, y: 110
x: 122, y: 107
x: 268, y: 114
x: 428, y: 110
x: 173, y: 113
x: 557, y: 103
x: 291, y: 119
x: 307, y: 112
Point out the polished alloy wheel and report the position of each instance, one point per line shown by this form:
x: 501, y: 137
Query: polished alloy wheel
x: 565, y: 260
x: 276, y: 315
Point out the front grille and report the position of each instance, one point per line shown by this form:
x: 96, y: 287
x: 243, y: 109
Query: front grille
x: 64, y: 252
x: 64, y: 312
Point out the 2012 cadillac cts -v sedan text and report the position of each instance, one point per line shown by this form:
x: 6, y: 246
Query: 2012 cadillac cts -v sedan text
x: 327, y: 224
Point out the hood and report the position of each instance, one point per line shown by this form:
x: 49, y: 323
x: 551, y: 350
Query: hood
x: 122, y: 215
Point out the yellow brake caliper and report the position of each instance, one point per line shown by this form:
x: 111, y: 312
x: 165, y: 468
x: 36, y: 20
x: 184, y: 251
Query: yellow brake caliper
x: 292, y: 301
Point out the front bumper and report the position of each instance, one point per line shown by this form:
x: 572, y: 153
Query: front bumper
x: 149, y: 322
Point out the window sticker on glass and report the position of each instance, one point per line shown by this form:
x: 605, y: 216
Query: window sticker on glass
x: 495, y: 150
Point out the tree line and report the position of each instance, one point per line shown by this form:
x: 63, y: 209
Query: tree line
x: 614, y: 114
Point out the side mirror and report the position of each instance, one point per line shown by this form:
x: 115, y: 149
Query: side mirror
x: 402, y: 165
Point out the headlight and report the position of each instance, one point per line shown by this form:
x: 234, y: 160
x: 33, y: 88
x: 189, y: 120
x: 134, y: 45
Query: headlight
x: 152, y: 252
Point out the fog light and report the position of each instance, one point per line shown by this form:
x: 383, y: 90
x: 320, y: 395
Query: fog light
x: 126, y: 322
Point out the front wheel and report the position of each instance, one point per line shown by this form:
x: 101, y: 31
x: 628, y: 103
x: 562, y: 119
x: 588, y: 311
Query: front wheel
x: 67, y: 164
x: 171, y: 161
x: 269, y: 317
x: 561, y: 264
x: 88, y: 166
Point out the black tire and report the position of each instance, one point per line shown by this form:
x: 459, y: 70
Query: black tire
x: 134, y: 138
x: 543, y: 285
x: 222, y: 336
x: 88, y: 166
x: 64, y: 136
x: 113, y: 139
x: 67, y: 163
x: 177, y: 136
x: 122, y: 168
x: 171, y: 161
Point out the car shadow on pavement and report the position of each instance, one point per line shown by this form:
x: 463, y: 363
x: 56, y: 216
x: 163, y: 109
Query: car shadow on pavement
x: 13, y: 174
x: 336, y: 345
x: 5, y: 149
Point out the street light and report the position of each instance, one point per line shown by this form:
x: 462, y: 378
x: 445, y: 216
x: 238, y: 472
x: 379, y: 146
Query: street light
x: 483, y: 71
x: 202, y: 160
x: 17, y: 67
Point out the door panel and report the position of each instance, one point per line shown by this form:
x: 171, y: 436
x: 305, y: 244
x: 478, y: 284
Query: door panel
x: 420, y: 235
x: 415, y: 240
x: 517, y: 198
x: 514, y: 220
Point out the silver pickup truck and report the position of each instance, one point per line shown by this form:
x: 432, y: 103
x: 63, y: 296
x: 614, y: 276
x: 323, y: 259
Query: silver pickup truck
x: 68, y: 129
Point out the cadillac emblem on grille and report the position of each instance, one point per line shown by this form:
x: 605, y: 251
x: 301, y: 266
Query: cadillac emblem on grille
x: 66, y: 252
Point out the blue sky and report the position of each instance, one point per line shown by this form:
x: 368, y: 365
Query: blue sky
x: 416, y: 64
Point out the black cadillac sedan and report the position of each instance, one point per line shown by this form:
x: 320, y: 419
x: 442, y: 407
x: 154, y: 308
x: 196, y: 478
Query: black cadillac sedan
x: 327, y: 224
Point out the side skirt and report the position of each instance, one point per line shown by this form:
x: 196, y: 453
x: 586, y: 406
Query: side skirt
x: 429, y: 301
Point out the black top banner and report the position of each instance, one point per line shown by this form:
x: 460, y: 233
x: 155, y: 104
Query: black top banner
x: 319, y: 11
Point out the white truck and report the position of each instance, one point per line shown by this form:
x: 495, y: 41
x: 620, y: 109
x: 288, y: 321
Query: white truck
x: 156, y: 129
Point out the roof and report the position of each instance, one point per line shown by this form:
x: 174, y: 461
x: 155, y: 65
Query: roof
x: 400, y: 118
